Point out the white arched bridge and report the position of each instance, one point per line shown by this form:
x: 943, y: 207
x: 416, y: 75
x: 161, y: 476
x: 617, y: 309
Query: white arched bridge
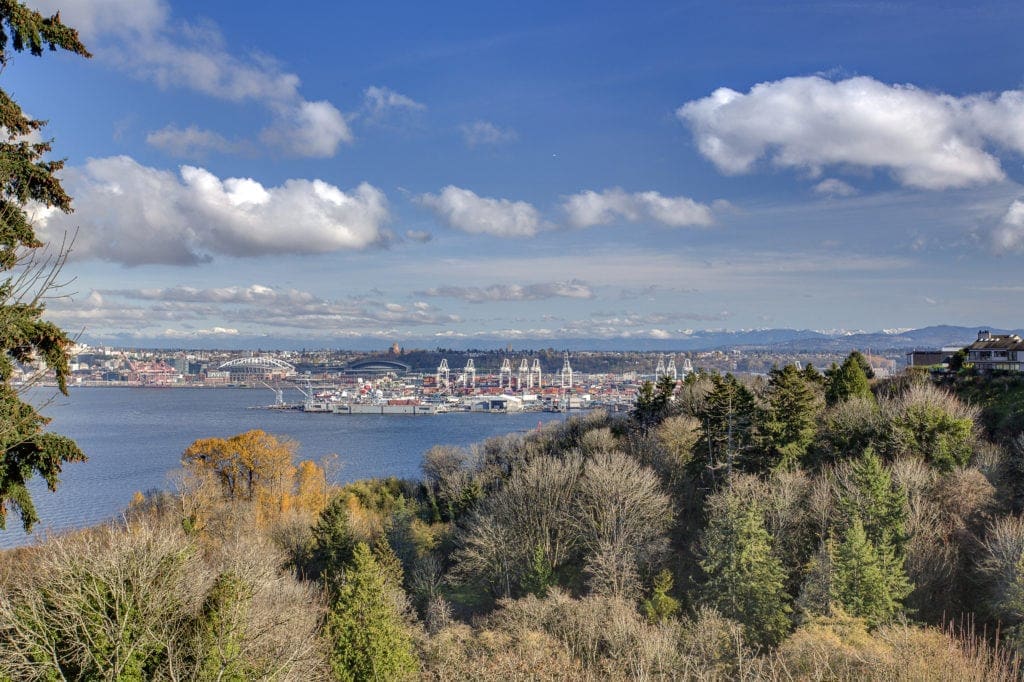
x: 259, y: 365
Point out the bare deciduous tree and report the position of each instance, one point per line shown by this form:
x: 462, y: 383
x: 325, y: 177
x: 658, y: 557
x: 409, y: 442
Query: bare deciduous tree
x: 530, y: 510
x: 621, y: 517
x: 1001, y: 566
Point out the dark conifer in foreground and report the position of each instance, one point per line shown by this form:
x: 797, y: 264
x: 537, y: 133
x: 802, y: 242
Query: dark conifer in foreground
x: 745, y: 580
x: 867, y: 582
x: 26, y: 177
x: 366, y: 634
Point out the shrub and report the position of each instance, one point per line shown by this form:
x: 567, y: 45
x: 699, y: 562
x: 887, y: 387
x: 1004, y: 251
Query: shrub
x: 143, y: 602
x: 930, y: 422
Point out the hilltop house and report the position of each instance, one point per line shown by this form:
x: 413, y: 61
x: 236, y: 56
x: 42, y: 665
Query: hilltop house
x: 996, y: 352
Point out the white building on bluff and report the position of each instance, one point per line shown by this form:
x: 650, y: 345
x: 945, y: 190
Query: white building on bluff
x: 996, y: 352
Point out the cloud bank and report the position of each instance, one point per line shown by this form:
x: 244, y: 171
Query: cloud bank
x: 514, y: 292
x: 239, y: 309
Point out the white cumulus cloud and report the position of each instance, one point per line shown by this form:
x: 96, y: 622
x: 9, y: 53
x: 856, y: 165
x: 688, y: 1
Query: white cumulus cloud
x: 1009, y: 235
x: 924, y: 139
x: 589, y: 208
x: 307, y: 129
x: 463, y: 210
x: 133, y: 214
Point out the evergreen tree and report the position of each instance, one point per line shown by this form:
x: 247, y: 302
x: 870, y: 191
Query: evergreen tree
x: 653, y: 402
x: 847, y: 381
x: 366, y: 633
x: 877, y: 501
x: 787, y: 423
x: 865, y: 366
x: 746, y: 581
x: 727, y: 424
x: 813, y: 376
x: 390, y: 565
x: 869, y: 578
x: 643, y: 408
x: 25, y: 450
x: 538, y: 578
x: 661, y: 605
x: 866, y: 584
x: 219, y: 635
x: 332, y: 541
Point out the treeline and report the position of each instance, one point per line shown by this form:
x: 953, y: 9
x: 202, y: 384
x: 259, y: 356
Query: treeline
x: 806, y: 525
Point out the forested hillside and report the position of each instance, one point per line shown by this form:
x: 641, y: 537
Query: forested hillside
x: 803, y: 526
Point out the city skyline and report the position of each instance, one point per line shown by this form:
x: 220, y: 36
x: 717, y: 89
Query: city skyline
x: 353, y: 175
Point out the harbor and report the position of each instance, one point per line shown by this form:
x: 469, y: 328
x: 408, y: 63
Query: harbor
x: 387, y: 392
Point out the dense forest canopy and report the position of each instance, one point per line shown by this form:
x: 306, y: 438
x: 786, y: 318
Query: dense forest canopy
x: 794, y: 526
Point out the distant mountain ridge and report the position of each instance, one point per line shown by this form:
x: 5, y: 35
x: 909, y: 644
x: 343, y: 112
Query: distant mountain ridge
x: 781, y: 340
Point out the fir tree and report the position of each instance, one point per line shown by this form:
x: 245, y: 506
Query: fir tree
x: 25, y: 450
x: 813, y: 376
x: 727, y: 424
x: 390, y: 565
x: 221, y: 638
x: 538, y: 578
x: 877, y: 501
x: 332, y: 541
x: 865, y: 366
x: 866, y: 584
x: 847, y: 381
x: 653, y: 402
x: 746, y: 581
x: 868, y: 575
x: 787, y: 423
x: 366, y: 633
x: 661, y: 605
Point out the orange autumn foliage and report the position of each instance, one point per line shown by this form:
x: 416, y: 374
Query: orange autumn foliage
x: 257, y: 467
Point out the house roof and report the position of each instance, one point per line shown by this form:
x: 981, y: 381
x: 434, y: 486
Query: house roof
x: 998, y: 342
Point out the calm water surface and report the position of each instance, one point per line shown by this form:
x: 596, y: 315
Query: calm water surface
x: 134, y: 438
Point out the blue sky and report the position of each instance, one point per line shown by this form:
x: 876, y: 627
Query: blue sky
x: 332, y: 174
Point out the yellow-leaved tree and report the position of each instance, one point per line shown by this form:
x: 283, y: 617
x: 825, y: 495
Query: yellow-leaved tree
x: 258, y: 468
